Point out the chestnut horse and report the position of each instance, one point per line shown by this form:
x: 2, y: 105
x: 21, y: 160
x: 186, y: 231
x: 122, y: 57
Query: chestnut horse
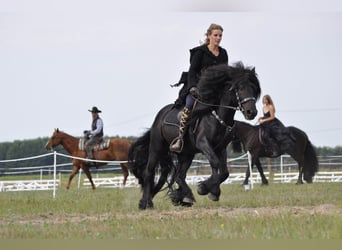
x: 117, y: 151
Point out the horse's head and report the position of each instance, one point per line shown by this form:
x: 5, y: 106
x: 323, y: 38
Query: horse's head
x: 231, y: 88
x: 246, y: 88
x: 54, y: 140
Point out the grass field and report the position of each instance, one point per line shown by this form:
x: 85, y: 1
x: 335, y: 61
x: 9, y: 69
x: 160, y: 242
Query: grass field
x: 279, y: 211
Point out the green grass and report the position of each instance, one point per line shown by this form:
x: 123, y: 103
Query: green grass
x: 279, y: 211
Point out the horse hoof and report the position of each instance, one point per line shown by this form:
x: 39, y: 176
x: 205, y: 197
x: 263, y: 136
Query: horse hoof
x: 187, y: 202
x: 143, y: 204
x: 150, y: 204
x: 202, y: 189
x: 213, y: 197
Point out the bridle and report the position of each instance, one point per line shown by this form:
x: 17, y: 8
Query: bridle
x: 240, y: 102
x: 243, y: 101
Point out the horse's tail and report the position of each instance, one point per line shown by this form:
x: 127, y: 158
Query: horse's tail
x: 138, y: 155
x: 310, y: 162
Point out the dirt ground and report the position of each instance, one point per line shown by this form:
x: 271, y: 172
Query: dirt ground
x: 325, y: 209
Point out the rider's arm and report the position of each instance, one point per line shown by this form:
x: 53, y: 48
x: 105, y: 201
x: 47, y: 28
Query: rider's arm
x: 195, y: 68
x: 99, y: 126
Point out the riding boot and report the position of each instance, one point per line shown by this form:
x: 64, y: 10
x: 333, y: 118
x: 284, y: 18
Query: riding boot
x: 177, y: 143
x: 89, y: 152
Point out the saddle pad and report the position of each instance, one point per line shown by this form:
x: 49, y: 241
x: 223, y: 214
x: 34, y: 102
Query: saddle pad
x: 100, y: 146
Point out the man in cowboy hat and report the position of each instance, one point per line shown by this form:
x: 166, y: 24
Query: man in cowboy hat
x: 95, y: 134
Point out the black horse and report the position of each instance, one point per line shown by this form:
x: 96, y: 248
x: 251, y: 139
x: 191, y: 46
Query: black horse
x: 301, y: 150
x: 223, y: 90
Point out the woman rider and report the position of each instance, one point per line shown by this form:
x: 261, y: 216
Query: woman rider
x: 274, y: 130
x: 201, y: 57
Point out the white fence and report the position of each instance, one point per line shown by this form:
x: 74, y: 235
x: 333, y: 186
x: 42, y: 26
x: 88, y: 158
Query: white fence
x: 116, y: 182
x: 28, y: 185
x: 291, y: 175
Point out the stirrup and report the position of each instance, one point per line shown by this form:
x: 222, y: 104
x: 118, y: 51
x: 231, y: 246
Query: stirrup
x: 176, y: 148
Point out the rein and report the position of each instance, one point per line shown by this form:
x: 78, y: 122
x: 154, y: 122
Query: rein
x: 240, y: 102
x: 222, y: 122
x: 215, y: 105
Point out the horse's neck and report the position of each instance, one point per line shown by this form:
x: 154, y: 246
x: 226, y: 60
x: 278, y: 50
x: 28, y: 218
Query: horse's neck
x: 227, y: 115
x: 248, y: 133
x: 70, y: 143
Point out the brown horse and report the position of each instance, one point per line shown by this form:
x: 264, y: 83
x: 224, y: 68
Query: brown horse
x: 117, y: 151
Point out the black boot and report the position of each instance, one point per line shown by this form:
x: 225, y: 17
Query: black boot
x: 177, y: 144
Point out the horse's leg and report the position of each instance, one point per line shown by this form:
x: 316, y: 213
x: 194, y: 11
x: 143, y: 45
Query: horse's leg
x: 300, y: 175
x: 165, y: 168
x: 205, y: 186
x: 223, y: 174
x: 300, y: 161
x: 183, y: 195
x: 264, y: 180
x: 148, y: 183
x: 125, y: 172
x: 85, y: 169
x: 73, y: 173
x: 220, y: 173
x: 247, y: 175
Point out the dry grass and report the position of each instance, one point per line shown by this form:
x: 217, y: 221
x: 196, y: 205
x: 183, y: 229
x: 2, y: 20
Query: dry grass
x: 280, y: 211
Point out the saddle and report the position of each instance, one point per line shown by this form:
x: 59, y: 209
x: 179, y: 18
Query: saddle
x: 172, y: 120
x: 104, y: 144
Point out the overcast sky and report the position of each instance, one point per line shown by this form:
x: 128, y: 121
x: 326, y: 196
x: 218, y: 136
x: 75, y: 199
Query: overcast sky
x: 60, y: 58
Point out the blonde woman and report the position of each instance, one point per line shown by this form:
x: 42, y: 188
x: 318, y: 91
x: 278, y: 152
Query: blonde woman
x: 201, y: 57
x: 275, y: 133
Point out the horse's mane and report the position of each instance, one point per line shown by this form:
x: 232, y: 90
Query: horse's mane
x: 212, y: 83
x: 218, y: 79
x: 215, y: 80
x: 63, y: 133
x: 238, y: 71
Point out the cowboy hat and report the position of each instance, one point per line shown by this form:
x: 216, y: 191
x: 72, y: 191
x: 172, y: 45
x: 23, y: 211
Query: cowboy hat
x: 95, y: 110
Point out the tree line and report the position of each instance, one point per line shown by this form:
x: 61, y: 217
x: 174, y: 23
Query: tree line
x: 28, y: 148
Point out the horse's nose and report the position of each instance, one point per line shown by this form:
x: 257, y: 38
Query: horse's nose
x: 251, y: 113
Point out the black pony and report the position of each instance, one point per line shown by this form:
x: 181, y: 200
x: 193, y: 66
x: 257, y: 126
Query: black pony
x: 301, y: 150
x: 222, y: 90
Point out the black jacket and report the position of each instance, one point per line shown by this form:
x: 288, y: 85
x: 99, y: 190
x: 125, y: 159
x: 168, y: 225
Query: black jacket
x: 200, y: 59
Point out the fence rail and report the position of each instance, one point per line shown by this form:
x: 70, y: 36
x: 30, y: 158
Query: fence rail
x: 288, y: 174
x: 28, y: 185
x: 116, y: 182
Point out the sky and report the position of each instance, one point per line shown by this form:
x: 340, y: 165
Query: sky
x: 58, y: 58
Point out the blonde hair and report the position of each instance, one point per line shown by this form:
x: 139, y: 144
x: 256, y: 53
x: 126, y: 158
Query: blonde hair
x: 269, y: 100
x: 212, y: 27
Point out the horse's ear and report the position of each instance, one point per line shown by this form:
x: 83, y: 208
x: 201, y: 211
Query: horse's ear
x: 253, y: 70
x: 57, y: 130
